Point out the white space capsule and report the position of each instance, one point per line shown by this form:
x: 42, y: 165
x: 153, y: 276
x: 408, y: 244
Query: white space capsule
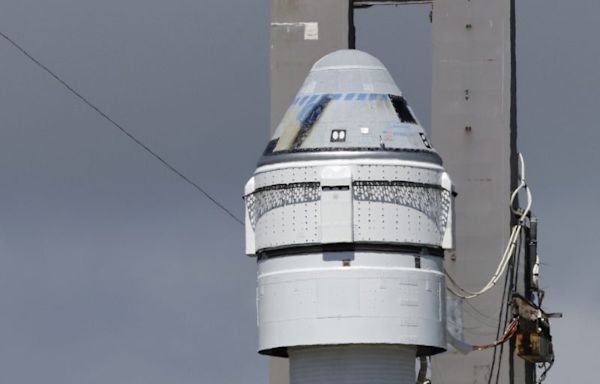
x: 349, y: 213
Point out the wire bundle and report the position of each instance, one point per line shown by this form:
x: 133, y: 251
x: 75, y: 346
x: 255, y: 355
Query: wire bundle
x: 513, y: 240
x: 508, y: 333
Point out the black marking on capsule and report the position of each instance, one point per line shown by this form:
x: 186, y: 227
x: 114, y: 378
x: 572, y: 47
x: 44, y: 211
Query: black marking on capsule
x: 401, y: 109
x: 338, y: 136
x: 425, y: 141
x: 310, y: 119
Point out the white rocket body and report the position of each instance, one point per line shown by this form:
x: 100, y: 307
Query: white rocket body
x: 349, y: 213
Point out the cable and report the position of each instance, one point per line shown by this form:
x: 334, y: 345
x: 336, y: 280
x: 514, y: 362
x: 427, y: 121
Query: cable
x: 120, y: 127
x: 508, y: 333
x: 513, y: 240
x: 422, y: 375
x: 506, y: 257
x: 510, y: 289
x: 502, y: 308
x: 546, y: 368
x: 510, y: 284
x: 517, y: 261
x: 478, y: 316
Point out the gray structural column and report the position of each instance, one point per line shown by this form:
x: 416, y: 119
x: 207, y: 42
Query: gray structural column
x: 302, y: 31
x: 474, y: 130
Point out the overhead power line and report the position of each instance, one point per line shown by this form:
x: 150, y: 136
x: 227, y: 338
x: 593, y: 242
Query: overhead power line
x: 120, y: 128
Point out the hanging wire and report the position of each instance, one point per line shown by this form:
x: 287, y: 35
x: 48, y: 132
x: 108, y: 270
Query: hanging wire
x: 508, y: 333
x: 510, y: 289
x: 546, y: 368
x: 499, y: 327
x: 130, y: 135
x: 513, y: 240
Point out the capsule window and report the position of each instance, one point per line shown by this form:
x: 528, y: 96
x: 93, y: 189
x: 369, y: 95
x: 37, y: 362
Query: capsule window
x: 402, y: 110
x: 309, y: 120
x: 425, y: 141
x: 270, y: 147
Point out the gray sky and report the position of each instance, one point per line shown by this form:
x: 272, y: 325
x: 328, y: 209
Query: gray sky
x: 112, y: 270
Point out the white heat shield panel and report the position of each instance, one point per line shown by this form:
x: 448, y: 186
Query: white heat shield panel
x: 336, y: 204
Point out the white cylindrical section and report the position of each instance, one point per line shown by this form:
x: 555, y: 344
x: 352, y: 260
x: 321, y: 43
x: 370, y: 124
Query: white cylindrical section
x: 352, y: 364
x: 342, y: 298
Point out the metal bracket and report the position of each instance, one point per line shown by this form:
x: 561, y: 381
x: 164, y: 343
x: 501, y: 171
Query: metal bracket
x: 369, y: 3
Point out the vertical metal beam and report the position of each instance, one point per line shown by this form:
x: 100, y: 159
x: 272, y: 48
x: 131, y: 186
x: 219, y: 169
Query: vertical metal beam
x: 302, y: 31
x: 474, y: 129
x: 529, y: 262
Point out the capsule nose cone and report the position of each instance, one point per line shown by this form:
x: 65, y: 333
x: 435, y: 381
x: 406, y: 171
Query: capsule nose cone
x: 349, y: 103
x: 348, y: 58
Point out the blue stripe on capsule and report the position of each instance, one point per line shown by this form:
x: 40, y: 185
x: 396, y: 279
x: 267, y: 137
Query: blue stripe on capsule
x: 303, y: 100
x: 296, y: 100
x: 384, y: 97
x: 361, y: 96
x: 313, y: 98
x: 349, y: 96
x: 336, y: 96
x: 373, y: 97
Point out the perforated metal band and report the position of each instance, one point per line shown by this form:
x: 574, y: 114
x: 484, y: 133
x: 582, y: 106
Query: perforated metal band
x: 268, y: 198
x: 432, y: 200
